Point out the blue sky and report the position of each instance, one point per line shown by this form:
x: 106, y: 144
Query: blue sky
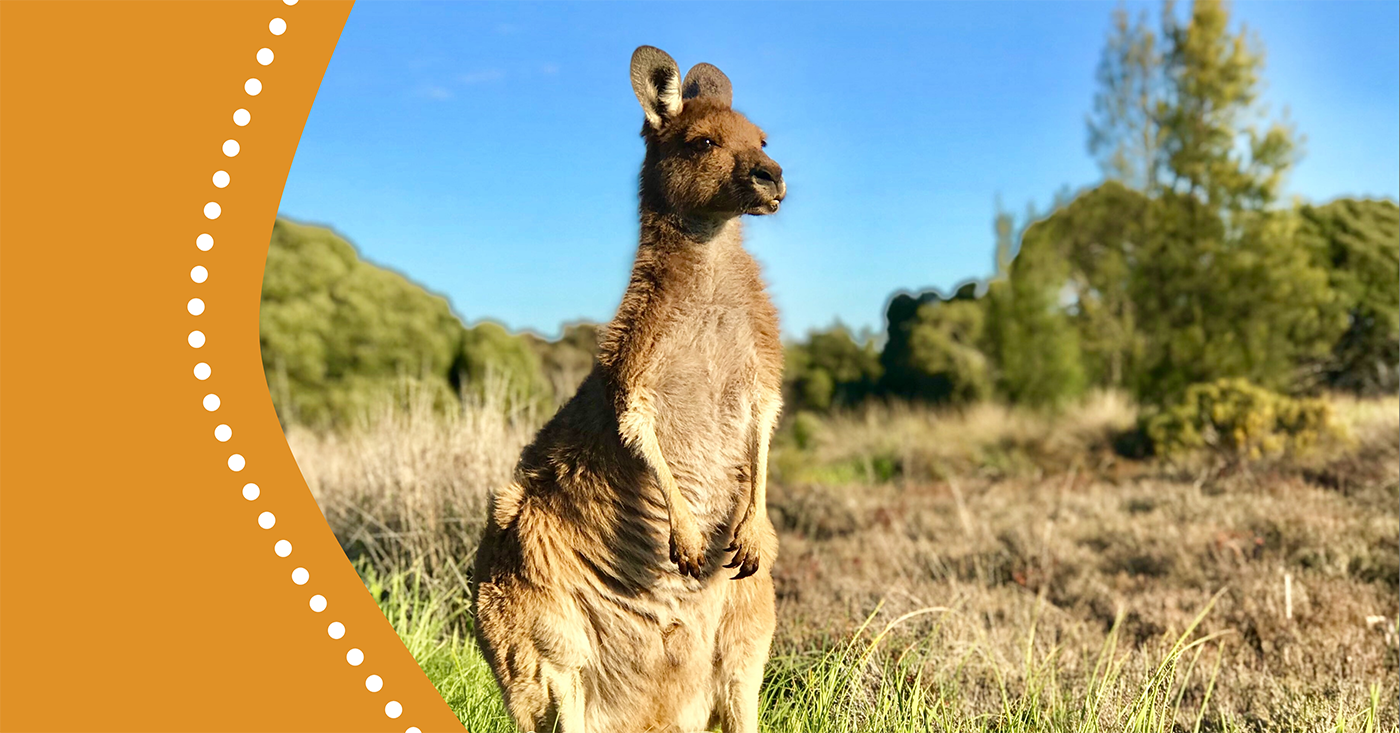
x: 489, y: 150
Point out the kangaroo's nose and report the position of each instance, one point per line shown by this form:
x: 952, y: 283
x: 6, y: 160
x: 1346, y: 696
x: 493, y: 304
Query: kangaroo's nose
x: 769, y: 178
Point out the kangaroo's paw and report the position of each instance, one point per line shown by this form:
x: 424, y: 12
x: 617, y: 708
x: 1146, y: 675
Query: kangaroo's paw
x: 746, y: 547
x: 688, y: 549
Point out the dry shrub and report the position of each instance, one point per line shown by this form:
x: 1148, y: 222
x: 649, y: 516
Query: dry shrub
x: 1040, y: 565
x: 882, y: 441
x: 1236, y: 419
x: 409, y: 487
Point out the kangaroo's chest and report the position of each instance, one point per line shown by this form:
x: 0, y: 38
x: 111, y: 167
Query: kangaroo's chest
x: 710, y: 344
x: 707, y: 388
x: 707, y: 366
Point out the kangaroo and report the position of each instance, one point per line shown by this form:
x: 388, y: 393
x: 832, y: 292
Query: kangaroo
x: 601, y: 594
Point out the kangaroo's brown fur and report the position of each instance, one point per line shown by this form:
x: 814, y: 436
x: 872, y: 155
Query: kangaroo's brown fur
x: 600, y: 600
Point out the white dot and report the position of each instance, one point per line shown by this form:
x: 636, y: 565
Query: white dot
x: 223, y: 433
x: 196, y: 339
x: 374, y: 683
x: 413, y: 729
x: 283, y: 548
x: 195, y: 306
x: 236, y: 462
x: 300, y: 576
x: 336, y: 629
x: 199, y: 274
x: 318, y: 604
x: 212, y: 210
x: 202, y: 371
x: 277, y: 26
x: 211, y: 402
x: 252, y: 87
x: 266, y: 519
x: 221, y: 178
x: 251, y: 491
x: 230, y: 148
x: 241, y: 117
x: 264, y: 56
x: 355, y: 657
x: 204, y: 242
x: 290, y: 2
x: 393, y: 709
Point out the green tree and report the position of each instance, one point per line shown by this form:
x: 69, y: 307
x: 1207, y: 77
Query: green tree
x: 1125, y: 129
x: 1019, y: 340
x: 1358, y: 244
x: 1028, y: 332
x: 568, y: 360
x: 1215, y: 143
x: 1218, y: 284
x: 1180, y: 109
x: 904, y: 370
x: 1097, y: 235
x: 1216, y: 301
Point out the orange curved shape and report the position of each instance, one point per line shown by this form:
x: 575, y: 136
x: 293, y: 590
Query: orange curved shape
x: 138, y: 590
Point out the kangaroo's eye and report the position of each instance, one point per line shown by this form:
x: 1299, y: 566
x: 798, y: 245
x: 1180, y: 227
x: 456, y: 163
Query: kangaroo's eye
x: 762, y: 143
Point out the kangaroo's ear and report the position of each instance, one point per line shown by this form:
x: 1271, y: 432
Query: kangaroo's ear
x: 704, y: 80
x: 657, y: 81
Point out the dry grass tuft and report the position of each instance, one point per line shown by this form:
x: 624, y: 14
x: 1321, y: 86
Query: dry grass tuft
x: 409, y: 488
x: 880, y: 442
x: 1018, y: 521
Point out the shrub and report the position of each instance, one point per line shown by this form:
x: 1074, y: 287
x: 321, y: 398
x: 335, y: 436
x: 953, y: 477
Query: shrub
x: 933, y: 348
x: 566, y: 362
x: 490, y: 354
x: 805, y: 429
x: 1237, y: 419
x: 943, y: 347
x: 831, y: 369
x: 339, y: 335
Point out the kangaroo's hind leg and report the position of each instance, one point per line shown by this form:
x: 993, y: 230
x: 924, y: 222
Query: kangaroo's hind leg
x: 744, y: 635
x: 540, y: 696
x: 518, y: 671
x: 566, y: 689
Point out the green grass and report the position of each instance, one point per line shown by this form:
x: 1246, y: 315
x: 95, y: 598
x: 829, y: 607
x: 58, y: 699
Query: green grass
x: 862, y: 684
x: 431, y: 626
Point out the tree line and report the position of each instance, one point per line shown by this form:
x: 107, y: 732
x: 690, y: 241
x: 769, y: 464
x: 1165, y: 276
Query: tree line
x: 1181, y: 268
x: 341, y: 337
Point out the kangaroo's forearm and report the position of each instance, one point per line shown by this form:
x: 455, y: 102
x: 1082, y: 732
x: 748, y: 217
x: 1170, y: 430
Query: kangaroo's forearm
x: 764, y: 423
x: 638, y: 428
x: 758, y: 479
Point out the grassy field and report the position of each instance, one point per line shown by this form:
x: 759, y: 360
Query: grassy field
x: 990, y: 570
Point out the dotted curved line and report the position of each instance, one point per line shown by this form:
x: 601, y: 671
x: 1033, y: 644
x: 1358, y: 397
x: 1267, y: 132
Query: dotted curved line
x: 202, y: 371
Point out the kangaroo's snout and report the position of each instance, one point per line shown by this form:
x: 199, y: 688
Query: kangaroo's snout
x: 768, y: 179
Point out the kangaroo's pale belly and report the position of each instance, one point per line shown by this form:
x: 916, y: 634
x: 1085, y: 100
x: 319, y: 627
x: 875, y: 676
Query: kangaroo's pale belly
x: 704, y: 415
x: 653, y: 659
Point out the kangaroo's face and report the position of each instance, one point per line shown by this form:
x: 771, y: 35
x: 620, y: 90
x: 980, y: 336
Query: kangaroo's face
x: 703, y: 158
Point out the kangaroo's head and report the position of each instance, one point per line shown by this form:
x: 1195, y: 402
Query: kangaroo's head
x: 703, y: 158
